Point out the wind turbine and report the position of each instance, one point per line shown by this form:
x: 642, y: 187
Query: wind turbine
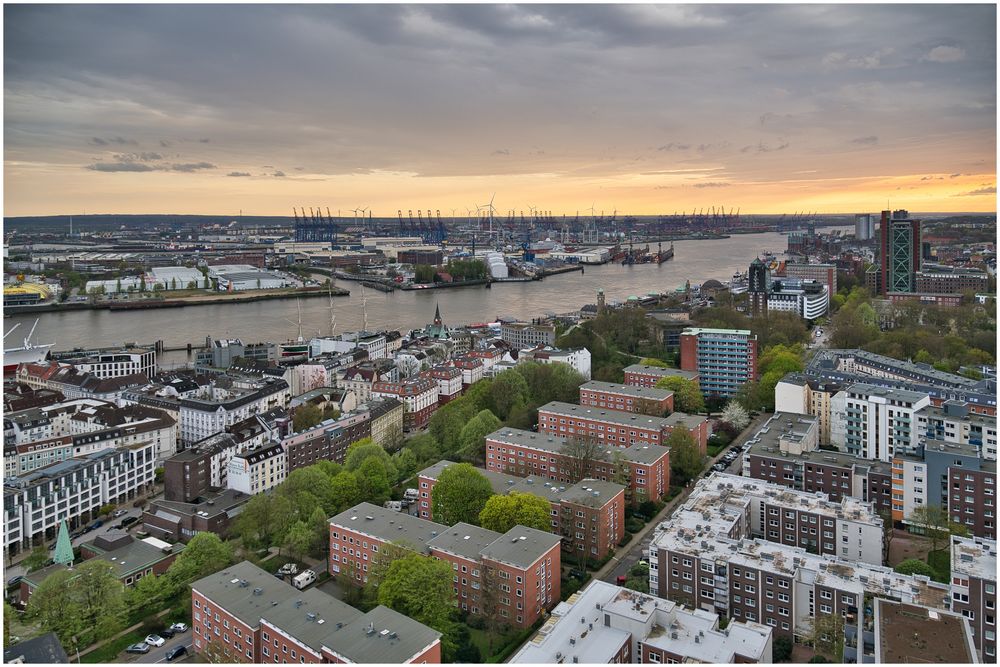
x: 489, y: 207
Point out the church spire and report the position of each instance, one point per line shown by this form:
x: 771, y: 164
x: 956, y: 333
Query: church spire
x: 437, y: 314
x: 63, y: 552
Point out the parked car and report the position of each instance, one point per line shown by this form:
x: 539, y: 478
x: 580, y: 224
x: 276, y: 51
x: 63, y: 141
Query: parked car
x: 128, y: 521
x: 14, y: 581
x: 118, y: 513
x: 304, y: 579
x: 155, y: 640
x: 138, y: 648
x: 166, y: 633
x: 176, y: 652
x: 94, y: 526
x: 179, y: 627
x: 621, y: 580
x: 288, y: 568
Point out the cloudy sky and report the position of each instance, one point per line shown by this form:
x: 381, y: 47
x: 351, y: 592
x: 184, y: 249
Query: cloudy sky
x: 639, y: 108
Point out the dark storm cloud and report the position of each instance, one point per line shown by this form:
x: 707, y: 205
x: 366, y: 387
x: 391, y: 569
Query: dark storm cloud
x: 432, y: 89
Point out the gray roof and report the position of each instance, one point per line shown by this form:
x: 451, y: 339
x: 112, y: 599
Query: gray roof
x: 884, y: 392
x: 389, y: 526
x: 465, y: 540
x: 383, y: 636
x: 500, y: 482
x: 591, y: 492
x: 310, y: 616
x: 44, y: 649
x: 553, y: 443
x: 521, y: 546
x: 618, y: 417
x: 245, y: 591
x: 628, y: 390
x: 661, y: 372
x: 684, y: 419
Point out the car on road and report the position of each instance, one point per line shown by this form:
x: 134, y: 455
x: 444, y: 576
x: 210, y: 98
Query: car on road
x: 718, y: 467
x: 621, y: 579
x: 94, y: 526
x: 166, y: 633
x: 179, y: 627
x: 118, y: 513
x: 14, y: 581
x: 176, y: 652
x: 138, y: 648
x: 155, y: 640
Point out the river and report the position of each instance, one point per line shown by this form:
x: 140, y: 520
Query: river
x: 696, y: 261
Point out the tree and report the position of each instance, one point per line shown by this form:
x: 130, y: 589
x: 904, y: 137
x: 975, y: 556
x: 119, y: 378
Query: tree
x: 936, y: 524
x: 264, y: 520
x: 447, y: 422
x: 319, y: 528
x: 490, y: 608
x: 99, y: 596
x: 827, y: 636
x: 8, y: 618
x: 915, y: 566
x: 54, y: 607
x: 735, y: 415
x: 360, y: 451
x: 37, y: 559
x: 204, y: 554
x: 685, y: 459
x: 687, y: 394
x: 581, y: 452
x: 308, y: 488
x: 421, y: 587
x: 501, y: 513
x: 305, y: 417
x: 378, y: 567
x: 374, y: 480
x: 345, y: 492
x: 460, y: 494
x: 657, y: 363
x: 782, y: 649
x: 508, y: 390
x: 299, y: 540
x: 473, y: 436
x: 406, y: 464
x: 888, y: 530
x: 218, y: 653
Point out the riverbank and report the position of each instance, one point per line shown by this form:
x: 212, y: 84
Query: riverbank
x: 177, y: 302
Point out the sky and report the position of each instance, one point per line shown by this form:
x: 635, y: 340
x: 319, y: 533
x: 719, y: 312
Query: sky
x: 643, y: 109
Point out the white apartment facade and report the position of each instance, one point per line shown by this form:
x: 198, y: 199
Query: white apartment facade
x: 258, y: 471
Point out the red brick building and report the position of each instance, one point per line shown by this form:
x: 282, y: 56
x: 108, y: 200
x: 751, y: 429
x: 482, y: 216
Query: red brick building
x: 627, y: 398
x: 640, y: 375
x: 419, y: 398
x: 972, y: 498
x: 526, y: 562
x: 617, y: 428
x: 590, y: 515
x: 522, y: 453
x: 244, y: 614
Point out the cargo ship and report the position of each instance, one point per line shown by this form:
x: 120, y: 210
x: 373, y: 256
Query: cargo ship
x: 28, y: 353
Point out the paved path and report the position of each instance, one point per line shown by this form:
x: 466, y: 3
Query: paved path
x: 638, y: 548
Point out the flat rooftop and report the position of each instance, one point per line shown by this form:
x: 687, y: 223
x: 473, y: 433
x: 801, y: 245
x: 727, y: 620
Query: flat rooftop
x: 909, y: 633
x: 521, y: 546
x: 660, y: 372
x: 389, y: 526
x: 628, y: 390
x: 617, y: 417
x: 884, y: 392
x: 644, y: 454
x: 974, y: 557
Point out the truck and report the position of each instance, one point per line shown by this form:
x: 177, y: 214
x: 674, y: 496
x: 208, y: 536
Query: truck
x: 304, y: 579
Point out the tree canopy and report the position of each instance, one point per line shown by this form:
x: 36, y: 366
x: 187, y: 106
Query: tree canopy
x: 685, y: 459
x: 460, y: 495
x: 421, y: 587
x: 915, y: 566
x: 687, y: 394
x: 501, y: 513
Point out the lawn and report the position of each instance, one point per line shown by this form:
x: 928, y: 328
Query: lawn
x: 110, y: 651
x: 940, y: 560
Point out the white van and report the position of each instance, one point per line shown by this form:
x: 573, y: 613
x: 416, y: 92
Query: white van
x: 304, y: 579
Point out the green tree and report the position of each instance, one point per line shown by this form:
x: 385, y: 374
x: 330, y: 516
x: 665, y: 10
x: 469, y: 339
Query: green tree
x: 501, y: 513
x: 687, y: 394
x: 37, y: 559
x: 299, y: 540
x: 204, y: 554
x: 421, y: 588
x: 915, y: 566
x: 581, y: 452
x: 446, y: 423
x: 346, y: 491
x: 306, y: 488
x: 936, y: 524
x: 319, y: 528
x: 685, y: 459
x: 650, y: 361
x: 406, y: 464
x: 508, y: 390
x: 8, y: 618
x: 827, y: 636
x: 362, y: 450
x: 374, y: 480
x: 460, y: 494
x: 782, y: 649
x: 735, y: 415
x: 306, y: 416
x: 473, y: 437
x: 99, y: 596
x: 264, y: 520
x: 53, y: 606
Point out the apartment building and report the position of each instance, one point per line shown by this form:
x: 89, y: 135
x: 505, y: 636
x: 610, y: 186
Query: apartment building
x: 621, y: 626
x: 525, y: 561
x: 974, y: 590
x: 858, y: 366
x: 971, y: 498
x: 111, y: 362
x: 258, y: 470
x: 73, y: 383
x: 952, y: 422
x: 418, y: 396
x: 360, y: 379
x: 577, y: 358
x: 472, y: 368
x: 521, y: 335
x: 784, y: 451
x: 243, y: 614
x: 804, y: 395
x: 522, y: 453
x: 215, y: 407
x: 212, y: 512
x: 590, y: 515
x: 877, y: 422
x: 73, y: 491
x: 725, y: 359
x: 619, y: 428
x: 449, y: 381
x: 823, y: 273
x: 957, y: 282
x: 385, y: 422
x: 327, y: 441
x: 626, y: 398
x: 707, y: 555
x: 641, y: 375
x: 908, y: 633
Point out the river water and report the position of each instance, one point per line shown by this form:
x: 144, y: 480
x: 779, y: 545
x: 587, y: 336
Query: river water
x: 696, y: 261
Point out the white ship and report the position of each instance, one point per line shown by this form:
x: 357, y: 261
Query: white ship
x: 28, y: 353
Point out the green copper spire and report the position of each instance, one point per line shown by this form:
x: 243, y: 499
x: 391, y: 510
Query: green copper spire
x: 64, y: 548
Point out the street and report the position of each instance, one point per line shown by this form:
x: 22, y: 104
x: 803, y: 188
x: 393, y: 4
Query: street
x: 639, y: 548
x: 160, y: 654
